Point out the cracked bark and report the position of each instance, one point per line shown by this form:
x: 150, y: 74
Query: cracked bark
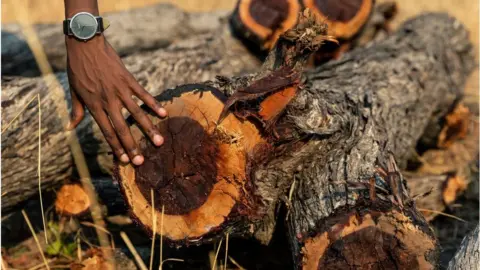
x: 468, y: 255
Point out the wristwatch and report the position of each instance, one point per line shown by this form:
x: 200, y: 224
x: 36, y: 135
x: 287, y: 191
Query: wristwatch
x: 84, y: 26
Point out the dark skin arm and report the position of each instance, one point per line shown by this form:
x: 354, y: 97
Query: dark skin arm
x: 99, y: 81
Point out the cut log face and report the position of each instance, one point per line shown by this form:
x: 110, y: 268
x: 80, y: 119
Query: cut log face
x: 453, y: 187
x: 344, y: 18
x: 383, y: 239
x: 263, y: 21
x: 200, y: 171
x: 72, y: 200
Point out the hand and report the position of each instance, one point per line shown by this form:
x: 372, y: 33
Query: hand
x: 99, y: 80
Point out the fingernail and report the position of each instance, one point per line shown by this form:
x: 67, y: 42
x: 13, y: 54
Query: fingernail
x: 124, y: 158
x: 157, y: 140
x: 162, y: 112
x: 137, y: 160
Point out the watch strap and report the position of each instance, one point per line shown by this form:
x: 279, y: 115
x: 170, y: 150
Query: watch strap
x: 66, y: 27
x: 100, y: 28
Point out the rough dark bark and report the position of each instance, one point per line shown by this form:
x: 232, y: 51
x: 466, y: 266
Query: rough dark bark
x: 198, y: 58
x: 130, y: 31
x: 468, y: 255
x: 380, y: 109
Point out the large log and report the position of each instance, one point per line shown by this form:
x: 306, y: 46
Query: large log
x: 337, y: 150
x: 198, y: 58
x: 386, y: 98
x: 468, y: 255
x: 141, y: 29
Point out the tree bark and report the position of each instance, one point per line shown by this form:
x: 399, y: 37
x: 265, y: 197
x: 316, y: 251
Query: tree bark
x: 141, y: 29
x: 377, y: 104
x: 468, y: 255
x: 198, y: 58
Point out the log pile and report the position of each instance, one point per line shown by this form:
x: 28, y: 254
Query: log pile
x: 338, y: 146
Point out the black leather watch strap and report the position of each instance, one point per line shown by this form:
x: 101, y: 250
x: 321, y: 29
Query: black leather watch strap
x: 100, y: 25
x: 66, y: 27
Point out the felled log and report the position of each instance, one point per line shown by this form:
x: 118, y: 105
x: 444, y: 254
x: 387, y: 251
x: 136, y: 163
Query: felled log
x: 468, y: 255
x: 198, y: 58
x: 334, y: 142
x: 141, y: 29
x: 377, y: 115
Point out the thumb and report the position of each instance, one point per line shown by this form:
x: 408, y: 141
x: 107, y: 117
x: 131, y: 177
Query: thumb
x: 78, y: 110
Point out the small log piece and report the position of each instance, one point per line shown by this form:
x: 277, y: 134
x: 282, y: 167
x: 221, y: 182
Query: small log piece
x: 336, y: 149
x: 72, y: 200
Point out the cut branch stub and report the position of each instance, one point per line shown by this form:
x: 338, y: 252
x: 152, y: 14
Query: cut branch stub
x: 384, y: 239
x: 263, y: 21
x: 278, y: 88
x: 199, y: 174
x: 72, y: 200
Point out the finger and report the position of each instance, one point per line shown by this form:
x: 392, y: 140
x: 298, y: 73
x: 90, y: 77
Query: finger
x: 109, y: 133
x: 148, y: 99
x: 78, y: 111
x: 125, y: 136
x: 141, y: 117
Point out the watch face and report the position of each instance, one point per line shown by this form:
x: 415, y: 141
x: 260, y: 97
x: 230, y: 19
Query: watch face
x: 83, y: 25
